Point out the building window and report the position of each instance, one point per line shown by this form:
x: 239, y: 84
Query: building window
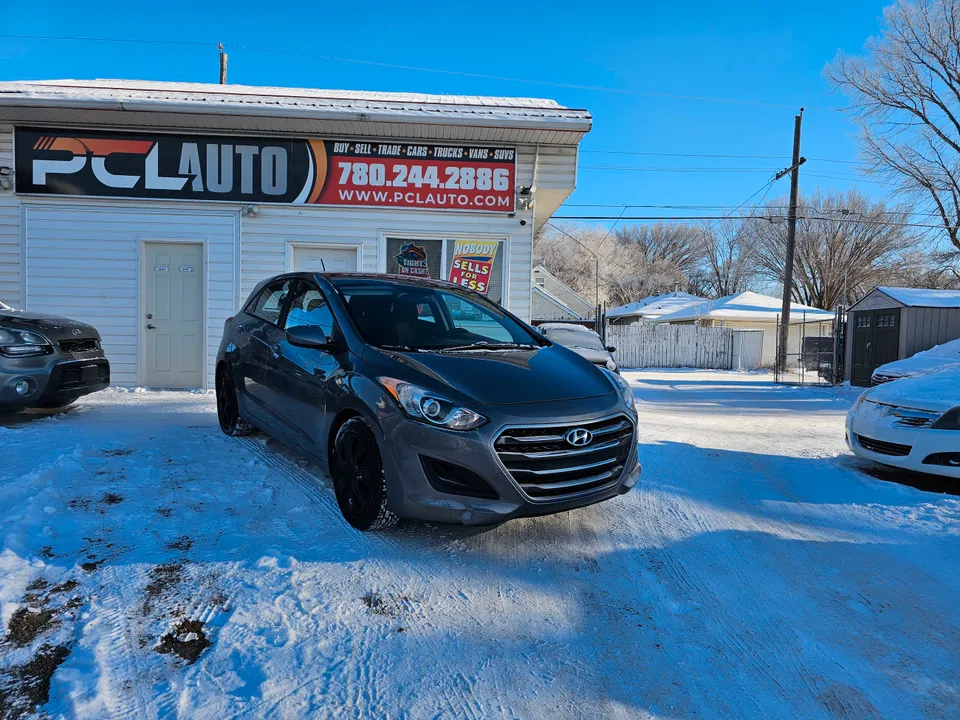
x: 887, y: 320
x: 540, y: 281
x: 863, y: 321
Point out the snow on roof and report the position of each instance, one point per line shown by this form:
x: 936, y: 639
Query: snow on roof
x: 655, y: 305
x: 748, y: 306
x: 191, y: 97
x: 920, y: 297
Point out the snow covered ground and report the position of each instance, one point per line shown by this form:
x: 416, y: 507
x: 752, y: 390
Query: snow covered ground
x: 756, y: 571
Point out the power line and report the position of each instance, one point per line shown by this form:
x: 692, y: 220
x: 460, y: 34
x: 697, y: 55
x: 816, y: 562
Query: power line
x: 417, y: 68
x: 673, y: 169
x: 714, y: 156
x: 638, y: 218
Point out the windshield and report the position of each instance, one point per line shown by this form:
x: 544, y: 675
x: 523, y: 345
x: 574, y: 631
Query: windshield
x: 408, y: 316
x: 575, y: 338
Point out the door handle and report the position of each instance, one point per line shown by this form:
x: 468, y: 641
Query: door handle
x: 151, y: 327
x: 241, y: 328
x: 276, y: 350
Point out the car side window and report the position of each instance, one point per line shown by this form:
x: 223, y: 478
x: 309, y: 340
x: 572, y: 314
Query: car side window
x: 309, y: 307
x: 269, y: 304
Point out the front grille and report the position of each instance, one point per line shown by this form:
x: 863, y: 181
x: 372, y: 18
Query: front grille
x: 79, y: 346
x: 78, y: 376
x: 880, y: 379
x: 883, y: 448
x: 915, y: 421
x: 547, y: 467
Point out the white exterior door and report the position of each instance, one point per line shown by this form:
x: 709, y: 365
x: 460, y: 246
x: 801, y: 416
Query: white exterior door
x: 324, y: 259
x: 173, y: 315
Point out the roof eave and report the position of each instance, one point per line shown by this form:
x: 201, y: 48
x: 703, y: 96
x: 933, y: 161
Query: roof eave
x: 571, y: 124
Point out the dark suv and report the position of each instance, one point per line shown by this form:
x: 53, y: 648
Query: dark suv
x: 47, y: 360
x: 424, y: 400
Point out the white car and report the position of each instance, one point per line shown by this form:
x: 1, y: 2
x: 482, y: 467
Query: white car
x: 928, y: 361
x: 913, y: 424
x: 583, y: 341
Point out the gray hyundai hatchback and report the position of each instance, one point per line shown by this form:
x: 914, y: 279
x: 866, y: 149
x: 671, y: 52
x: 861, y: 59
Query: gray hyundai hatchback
x: 424, y: 400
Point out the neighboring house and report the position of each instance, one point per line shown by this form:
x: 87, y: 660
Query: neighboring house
x: 891, y: 323
x: 552, y: 300
x: 545, y: 307
x: 753, y: 311
x: 652, y: 307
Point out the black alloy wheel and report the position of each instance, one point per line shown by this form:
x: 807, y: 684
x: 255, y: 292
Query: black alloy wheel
x: 358, y: 480
x: 227, y: 411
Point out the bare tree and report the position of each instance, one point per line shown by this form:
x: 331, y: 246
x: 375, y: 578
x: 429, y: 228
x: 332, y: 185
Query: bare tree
x: 906, y: 97
x: 845, y: 246
x: 635, y: 262
x: 729, y: 260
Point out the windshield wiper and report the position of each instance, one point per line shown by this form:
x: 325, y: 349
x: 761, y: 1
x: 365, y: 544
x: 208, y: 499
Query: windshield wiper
x: 483, y: 345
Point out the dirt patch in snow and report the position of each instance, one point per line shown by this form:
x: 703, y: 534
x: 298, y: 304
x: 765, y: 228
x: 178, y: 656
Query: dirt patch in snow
x: 162, y: 578
x: 62, y: 587
x: 118, y: 452
x: 387, y: 605
x: 182, y: 543
x: 38, y: 584
x: 25, y: 687
x: 27, y: 623
x: 112, y: 499
x: 187, y: 641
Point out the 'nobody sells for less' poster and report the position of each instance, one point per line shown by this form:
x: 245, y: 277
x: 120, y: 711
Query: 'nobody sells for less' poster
x: 473, y: 263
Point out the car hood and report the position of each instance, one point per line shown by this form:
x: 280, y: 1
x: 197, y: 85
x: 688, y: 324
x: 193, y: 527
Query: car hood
x: 594, y: 356
x: 937, y: 358
x: 54, y: 327
x: 508, y: 377
x: 939, y: 391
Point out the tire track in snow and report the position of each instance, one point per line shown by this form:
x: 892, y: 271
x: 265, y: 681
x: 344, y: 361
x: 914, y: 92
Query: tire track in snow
x: 384, y: 550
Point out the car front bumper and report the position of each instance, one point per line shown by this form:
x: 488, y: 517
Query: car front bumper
x: 53, y: 379
x: 874, y: 436
x: 406, y: 444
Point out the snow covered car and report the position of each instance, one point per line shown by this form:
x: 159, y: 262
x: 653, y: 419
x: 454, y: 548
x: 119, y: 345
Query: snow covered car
x: 583, y: 341
x: 913, y: 424
x: 425, y: 400
x: 928, y: 361
x: 47, y: 360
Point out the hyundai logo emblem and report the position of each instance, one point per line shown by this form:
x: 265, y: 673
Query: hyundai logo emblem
x: 578, y: 437
x: 77, y: 331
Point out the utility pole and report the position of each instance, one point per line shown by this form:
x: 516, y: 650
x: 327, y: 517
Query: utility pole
x: 223, y: 64
x: 794, y: 171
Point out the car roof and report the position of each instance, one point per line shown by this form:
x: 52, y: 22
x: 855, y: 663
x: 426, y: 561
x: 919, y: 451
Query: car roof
x: 387, y: 277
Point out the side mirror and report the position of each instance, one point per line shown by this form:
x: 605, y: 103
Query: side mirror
x: 611, y: 349
x: 309, y: 336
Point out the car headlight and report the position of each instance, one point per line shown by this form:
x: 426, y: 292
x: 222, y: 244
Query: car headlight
x: 430, y: 407
x: 623, y: 387
x: 22, y: 343
x: 950, y: 420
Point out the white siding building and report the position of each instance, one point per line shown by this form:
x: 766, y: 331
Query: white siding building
x: 100, y: 179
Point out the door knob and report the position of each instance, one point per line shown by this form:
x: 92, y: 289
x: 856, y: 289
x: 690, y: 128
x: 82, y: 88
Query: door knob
x: 277, y: 352
x: 151, y: 327
x: 149, y: 316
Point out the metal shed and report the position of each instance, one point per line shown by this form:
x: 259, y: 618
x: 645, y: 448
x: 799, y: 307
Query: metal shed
x: 891, y: 323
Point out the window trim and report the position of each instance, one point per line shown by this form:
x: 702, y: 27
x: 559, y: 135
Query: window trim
x: 252, y: 303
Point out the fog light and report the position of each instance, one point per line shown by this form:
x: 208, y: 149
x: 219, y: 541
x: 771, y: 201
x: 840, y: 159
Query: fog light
x: 22, y: 387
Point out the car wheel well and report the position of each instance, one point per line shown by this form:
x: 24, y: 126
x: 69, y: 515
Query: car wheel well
x: 335, y: 426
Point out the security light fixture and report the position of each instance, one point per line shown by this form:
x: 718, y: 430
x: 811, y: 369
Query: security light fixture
x: 250, y: 210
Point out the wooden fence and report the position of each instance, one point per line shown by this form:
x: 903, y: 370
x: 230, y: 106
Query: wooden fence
x: 672, y: 346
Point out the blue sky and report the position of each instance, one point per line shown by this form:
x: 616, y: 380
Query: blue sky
x: 759, y: 51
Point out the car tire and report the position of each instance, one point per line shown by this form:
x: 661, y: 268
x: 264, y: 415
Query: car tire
x: 358, y: 479
x: 228, y: 412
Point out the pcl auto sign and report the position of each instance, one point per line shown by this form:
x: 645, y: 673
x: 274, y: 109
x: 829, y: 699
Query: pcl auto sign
x: 307, y: 171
